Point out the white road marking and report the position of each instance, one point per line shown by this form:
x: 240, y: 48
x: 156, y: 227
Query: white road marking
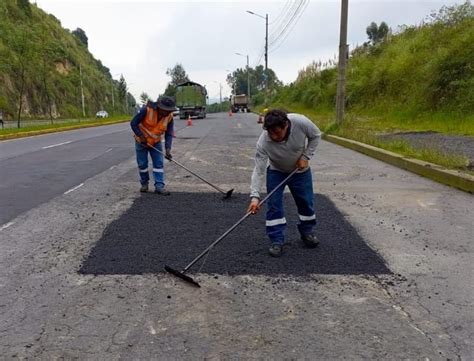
x: 73, y: 189
x: 108, y: 150
x: 56, y: 145
x: 5, y: 226
x: 239, y: 125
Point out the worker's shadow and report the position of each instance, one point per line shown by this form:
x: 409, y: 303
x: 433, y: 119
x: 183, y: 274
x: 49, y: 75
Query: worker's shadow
x: 173, y: 230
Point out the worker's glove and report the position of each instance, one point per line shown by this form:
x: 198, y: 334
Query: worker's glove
x: 254, y: 206
x: 168, y: 154
x: 141, y: 140
x: 302, y: 163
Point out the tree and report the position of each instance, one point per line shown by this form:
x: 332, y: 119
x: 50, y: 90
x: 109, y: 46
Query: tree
x: 178, y: 75
x: 376, y: 33
x: 23, y: 45
x: 24, y: 5
x: 122, y: 91
x: 261, y: 80
x: 81, y: 36
x: 144, y: 98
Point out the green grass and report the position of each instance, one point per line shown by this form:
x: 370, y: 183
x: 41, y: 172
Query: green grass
x: 64, y: 124
x: 366, y: 128
x: 445, y: 123
x: 432, y: 155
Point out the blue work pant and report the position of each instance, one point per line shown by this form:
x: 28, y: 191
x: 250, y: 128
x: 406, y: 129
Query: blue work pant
x: 301, y: 188
x: 157, y: 161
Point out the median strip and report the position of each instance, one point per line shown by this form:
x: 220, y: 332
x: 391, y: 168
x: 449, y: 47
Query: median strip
x: 432, y: 171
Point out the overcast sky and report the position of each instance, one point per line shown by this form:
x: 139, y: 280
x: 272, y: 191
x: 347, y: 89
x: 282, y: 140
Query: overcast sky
x: 141, y: 39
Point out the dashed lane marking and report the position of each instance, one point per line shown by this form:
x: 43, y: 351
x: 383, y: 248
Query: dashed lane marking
x: 6, y: 225
x: 56, y: 145
x: 74, y: 188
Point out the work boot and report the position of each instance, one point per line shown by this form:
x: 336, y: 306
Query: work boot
x: 144, y: 188
x: 275, y: 250
x: 162, y: 192
x: 309, y: 240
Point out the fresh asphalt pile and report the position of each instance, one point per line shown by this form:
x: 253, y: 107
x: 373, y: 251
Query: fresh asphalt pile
x: 173, y: 230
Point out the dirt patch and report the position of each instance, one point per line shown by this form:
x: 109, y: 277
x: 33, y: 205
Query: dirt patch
x: 446, y: 143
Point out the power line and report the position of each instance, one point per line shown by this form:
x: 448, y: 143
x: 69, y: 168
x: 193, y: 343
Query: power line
x: 290, y: 14
x: 306, y: 3
x: 290, y: 21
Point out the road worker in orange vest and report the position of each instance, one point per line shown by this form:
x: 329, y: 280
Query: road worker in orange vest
x: 149, y: 125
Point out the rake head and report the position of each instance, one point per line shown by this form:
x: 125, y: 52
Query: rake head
x: 228, y: 194
x: 182, y: 276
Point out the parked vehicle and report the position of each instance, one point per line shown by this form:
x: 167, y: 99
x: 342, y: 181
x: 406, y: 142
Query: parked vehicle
x: 102, y: 114
x: 240, y: 103
x: 191, y: 99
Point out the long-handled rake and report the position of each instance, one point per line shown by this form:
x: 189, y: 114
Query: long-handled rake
x: 227, y: 194
x: 182, y: 274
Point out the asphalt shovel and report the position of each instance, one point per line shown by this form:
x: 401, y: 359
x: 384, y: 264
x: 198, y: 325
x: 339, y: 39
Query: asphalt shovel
x: 188, y: 279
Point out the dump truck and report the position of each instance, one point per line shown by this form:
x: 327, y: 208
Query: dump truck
x: 240, y: 103
x: 191, y: 100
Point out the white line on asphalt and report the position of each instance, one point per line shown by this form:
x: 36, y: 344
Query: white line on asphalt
x: 5, y: 226
x: 56, y: 145
x: 108, y: 150
x: 73, y: 189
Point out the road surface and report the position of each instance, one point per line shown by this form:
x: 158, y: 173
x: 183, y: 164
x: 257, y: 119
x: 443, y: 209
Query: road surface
x: 81, y: 273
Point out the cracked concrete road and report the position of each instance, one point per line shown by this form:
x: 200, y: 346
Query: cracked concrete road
x: 391, y: 280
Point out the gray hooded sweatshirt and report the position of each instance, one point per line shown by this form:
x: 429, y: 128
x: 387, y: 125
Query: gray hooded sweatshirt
x: 282, y: 156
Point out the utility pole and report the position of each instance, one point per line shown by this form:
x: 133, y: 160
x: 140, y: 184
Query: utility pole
x: 113, y: 100
x: 341, y: 78
x: 248, y: 78
x: 266, y: 42
x: 82, y: 93
x: 220, y: 93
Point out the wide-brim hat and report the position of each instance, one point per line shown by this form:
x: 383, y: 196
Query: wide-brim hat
x: 166, y: 103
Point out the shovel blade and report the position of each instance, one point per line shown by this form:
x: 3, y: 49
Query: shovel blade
x: 182, y: 276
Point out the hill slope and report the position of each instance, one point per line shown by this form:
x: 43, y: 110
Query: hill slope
x: 42, y: 65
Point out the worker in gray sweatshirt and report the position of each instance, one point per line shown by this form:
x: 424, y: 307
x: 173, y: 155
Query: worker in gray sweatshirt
x: 287, y: 142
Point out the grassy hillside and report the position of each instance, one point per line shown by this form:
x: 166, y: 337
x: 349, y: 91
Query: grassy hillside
x: 41, y: 65
x: 419, y: 78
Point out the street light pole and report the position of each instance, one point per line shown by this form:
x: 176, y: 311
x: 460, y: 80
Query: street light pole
x: 266, y: 35
x: 82, y: 92
x: 341, y: 79
x: 113, y: 100
x: 248, y: 78
x: 248, y: 74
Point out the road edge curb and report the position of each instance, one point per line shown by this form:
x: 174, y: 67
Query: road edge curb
x: 432, y: 171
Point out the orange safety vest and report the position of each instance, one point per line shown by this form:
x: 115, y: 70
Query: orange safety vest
x: 152, y: 127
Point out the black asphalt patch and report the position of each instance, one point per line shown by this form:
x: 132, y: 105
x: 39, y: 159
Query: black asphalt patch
x: 173, y: 230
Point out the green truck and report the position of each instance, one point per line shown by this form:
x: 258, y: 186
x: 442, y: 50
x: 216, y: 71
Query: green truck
x: 191, y: 99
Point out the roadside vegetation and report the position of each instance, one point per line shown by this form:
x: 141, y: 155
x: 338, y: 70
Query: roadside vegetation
x: 415, y: 79
x: 46, y: 70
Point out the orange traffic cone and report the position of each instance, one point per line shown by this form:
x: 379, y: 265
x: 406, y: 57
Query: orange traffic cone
x: 190, y: 121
